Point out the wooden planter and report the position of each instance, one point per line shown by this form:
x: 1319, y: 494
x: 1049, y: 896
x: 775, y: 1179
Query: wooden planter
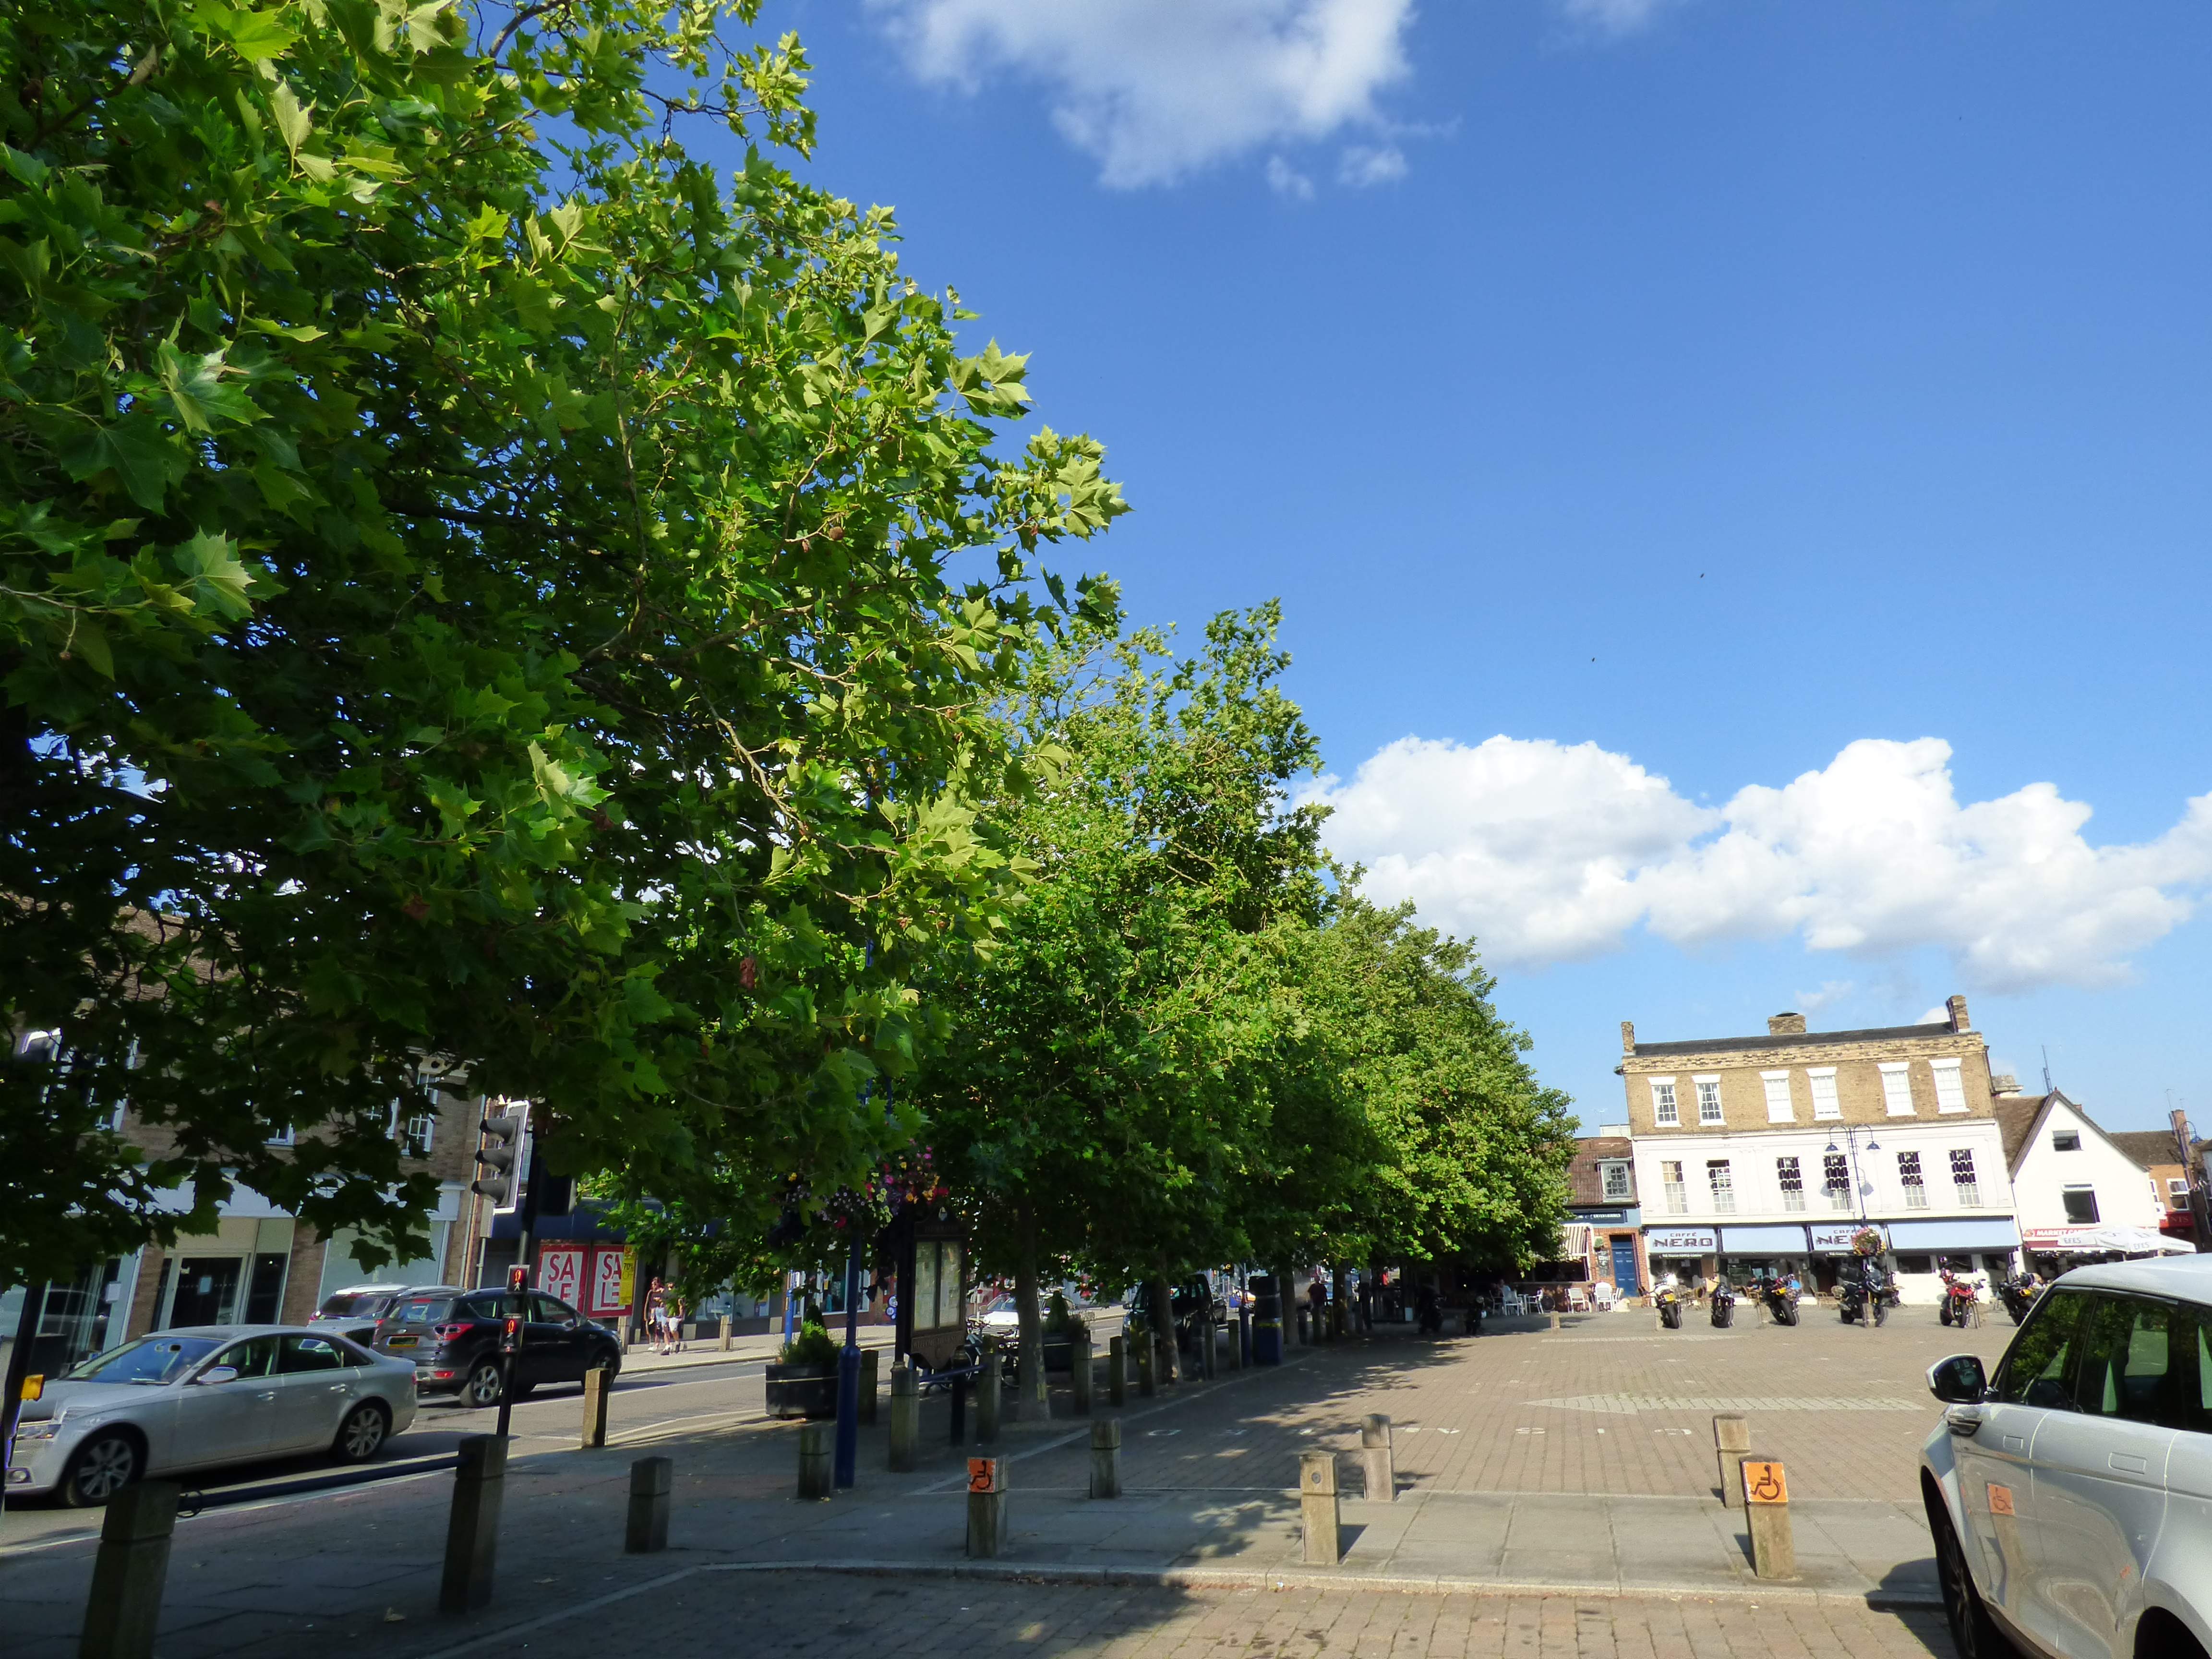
x: 802, y: 1391
x: 1058, y: 1354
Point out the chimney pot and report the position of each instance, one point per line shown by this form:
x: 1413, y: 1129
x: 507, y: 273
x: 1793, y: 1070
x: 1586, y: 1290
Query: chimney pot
x: 1785, y: 1024
x: 2004, y: 1083
x: 1959, y: 1020
x: 1628, y: 1036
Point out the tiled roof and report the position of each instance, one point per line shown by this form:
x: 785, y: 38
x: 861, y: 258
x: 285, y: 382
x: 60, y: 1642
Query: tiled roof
x: 2016, y: 1115
x: 2146, y: 1146
x: 1794, y: 1040
x: 1582, y: 1173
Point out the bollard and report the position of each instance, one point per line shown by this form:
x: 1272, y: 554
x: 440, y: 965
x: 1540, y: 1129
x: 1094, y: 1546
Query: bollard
x: 960, y: 1409
x: 1106, y: 1459
x: 1731, y: 1440
x: 1145, y: 1384
x: 472, y: 1527
x: 987, y: 1507
x: 1240, y: 1350
x: 1555, y: 1319
x: 989, y: 1395
x: 729, y: 1340
x: 651, y: 1484
x: 906, y: 1417
x: 871, y: 1359
x: 130, y: 1572
x: 1209, y: 1338
x: 1766, y: 1508
x: 815, y: 1448
x: 1078, y: 1373
x: 1377, y: 1462
x: 1318, y: 1508
x: 595, y: 1409
x: 1117, y: 1371
x: 1167, y: 1370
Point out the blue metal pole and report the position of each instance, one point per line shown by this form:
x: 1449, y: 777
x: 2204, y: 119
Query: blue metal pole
x: 848, y: 1371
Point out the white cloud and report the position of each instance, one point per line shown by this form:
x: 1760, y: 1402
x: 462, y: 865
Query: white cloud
x: 1613, y: 18
x: 1157, y: 89
x: 1545, y: 852
x: 1286, y: 180
x: 1363, y: 165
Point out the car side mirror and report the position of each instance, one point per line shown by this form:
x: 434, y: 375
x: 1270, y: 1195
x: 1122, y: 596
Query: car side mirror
x: 1958, y: 1381
x: 219, y: 1374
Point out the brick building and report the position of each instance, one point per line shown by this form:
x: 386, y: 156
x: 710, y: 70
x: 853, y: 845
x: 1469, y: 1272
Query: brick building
x: 1760, y: 1153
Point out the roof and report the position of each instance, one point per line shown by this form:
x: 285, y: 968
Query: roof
x: 2186, y: 1276
x: 2146, y: 1146
x: 1795, y: 1039
x: 2016, y: 1115
x: 1583, y: 1172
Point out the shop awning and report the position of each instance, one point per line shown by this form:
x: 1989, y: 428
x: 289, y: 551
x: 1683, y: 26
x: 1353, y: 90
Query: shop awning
x: 2102, y: 1241
x: 1763, y: 1241
x: 1978, y: 1233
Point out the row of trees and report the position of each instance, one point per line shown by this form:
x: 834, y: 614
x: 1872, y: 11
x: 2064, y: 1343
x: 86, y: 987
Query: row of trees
x: 475, y: 580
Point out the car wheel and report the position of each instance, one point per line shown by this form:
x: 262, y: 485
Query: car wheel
x: 103, y: 1466
x: 1973, y: 1632
x: 362, y: 1433
x: 483, y: 1386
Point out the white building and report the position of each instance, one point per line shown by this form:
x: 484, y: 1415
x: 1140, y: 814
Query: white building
x: 2079, y: 1191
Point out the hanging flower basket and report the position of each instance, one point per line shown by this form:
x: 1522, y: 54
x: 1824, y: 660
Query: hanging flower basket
x: 1867, y: 1241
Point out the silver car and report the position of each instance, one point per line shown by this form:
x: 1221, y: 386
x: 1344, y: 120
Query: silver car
x: 206, y: 1395
x: 2069, y: 1493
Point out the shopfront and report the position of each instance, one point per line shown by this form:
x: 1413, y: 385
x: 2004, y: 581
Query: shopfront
x: 1921, y: 1250
x: 1769, y: 1252
x: 1682, y: 1255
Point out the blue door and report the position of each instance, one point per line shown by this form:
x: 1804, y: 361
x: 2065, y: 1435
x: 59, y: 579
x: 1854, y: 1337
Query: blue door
x: 1623, y: 1266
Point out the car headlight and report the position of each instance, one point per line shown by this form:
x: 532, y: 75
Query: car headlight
x: 45, y: 1428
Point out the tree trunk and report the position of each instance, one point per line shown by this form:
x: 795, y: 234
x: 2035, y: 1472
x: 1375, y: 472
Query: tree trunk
x: 1339, y: 1296
x: 1030, y: 1395
x: 1163, y: 1327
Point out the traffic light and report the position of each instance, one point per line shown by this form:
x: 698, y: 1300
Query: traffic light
x: 556, y: 1194
x: 500, y: 1180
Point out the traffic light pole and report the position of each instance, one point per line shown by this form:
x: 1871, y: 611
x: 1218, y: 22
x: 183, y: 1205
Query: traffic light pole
x: 848, y: 1373
x: 516, y: 1326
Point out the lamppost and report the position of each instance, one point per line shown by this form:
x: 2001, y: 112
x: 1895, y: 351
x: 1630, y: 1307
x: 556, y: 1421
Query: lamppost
x: 1859, y: 1189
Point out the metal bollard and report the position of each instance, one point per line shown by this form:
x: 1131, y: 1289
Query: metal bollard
x: 1240, y: 1347
x: 1766, y: 1508
x: 1378, y: 1466
x: 472, y: 1527
x: 1731, y: 1440
x: 652, y: 1487
x: 1117, y: 1371
x: 1078, y: 1373
x: 595, y: 1409
x: 130, y: 1572
x: 987, y: 1507
x: 906, y: 1417
x: 815, y: 1448
x: 1318, y: 1508
x: 871, y: 1359
x: 1146, y: 1386
x: 990, y: 1395
x: 1106, y: 1459
x: 960, y: 1409
x: 1209, y: 1347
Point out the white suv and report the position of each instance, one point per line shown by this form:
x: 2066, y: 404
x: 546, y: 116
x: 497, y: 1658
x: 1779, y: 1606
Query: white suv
x: 2070, y: 1494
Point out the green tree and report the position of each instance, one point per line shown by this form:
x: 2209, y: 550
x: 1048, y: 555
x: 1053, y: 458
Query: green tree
x: 474, y: 581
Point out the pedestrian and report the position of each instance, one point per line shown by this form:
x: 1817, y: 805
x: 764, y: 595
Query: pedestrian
x: 673, y: 1309
x: 656, y: 1313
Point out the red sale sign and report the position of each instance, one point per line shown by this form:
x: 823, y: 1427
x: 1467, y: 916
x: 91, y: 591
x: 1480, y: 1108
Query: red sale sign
x: 561, y: 1271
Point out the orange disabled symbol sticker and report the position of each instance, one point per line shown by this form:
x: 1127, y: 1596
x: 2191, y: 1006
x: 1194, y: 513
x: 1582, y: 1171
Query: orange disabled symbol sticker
x: 982, y: 1474
x: 1763, y: 1483
x: 2000, y: 1500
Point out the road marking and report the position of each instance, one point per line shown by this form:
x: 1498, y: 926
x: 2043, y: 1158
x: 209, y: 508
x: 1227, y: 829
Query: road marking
x: 1628, y: 1404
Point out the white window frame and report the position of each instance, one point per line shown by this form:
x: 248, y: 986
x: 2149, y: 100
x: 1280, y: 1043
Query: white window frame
x: 2177, y: 1187
x: 1786, y: 1109
x: 1968, y: 1193
x: 403, y: 1130
x: 1608, y: 1170
x: 1720, y: 1181
x: 2090, y: 1188
x: 1950, y: 1087
x: 1897, y: 1086
x: 1709, y: 1091
x: 1912, y: 1178
x: 1822, y: 1081
x: 1782, y: 1177
x: 287, y: 1136
x: 1676, y: 1193
x: 1666, y: 1109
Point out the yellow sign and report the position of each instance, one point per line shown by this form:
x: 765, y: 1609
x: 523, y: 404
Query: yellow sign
x: 982, y: 1474
x: 1763, y: 1483
x: 2000, y: 1499
x: 628, y: 1296
x: 33, y: 1387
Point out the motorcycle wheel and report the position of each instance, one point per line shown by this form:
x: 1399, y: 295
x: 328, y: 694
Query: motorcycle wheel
x: 1882, y: 1314
x: 1943, y: 1311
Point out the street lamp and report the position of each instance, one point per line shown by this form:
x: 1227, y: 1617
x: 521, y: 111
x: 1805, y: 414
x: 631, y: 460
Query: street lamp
x: 1859, y: 1188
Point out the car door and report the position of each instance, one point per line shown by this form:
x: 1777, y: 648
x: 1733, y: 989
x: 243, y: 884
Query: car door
x: 228, y: 1422
x: 316, y: 1381
x: 2100, y: 1477
x: 1990, y: 1441
x: 2176, y: 1578
x: 552, y: 1343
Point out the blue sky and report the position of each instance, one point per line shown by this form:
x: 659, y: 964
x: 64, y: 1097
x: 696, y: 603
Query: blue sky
x: 1638, y: 405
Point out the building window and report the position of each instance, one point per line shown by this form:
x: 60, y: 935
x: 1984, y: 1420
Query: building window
x: 1778, y: 1108
x: 413, y: 1133
x: 1896, y: 1087
x: 1792, y: 1181
x: 1678, y: 1195
x: 1950, y: 1093
x: 1613, y: 1180
x: 1664, y: 1110
x: 1836, y: 1180
x: 283, y: 1137
x: 1908, y: 1173
x: 1723, y: 1184
x: 1963, y: 1177
x: 2177, y: 1193
x: 1709, y: 1100
x: 2065, y: 1140
x: 2080, y: 1205
x: 1823, y: 1079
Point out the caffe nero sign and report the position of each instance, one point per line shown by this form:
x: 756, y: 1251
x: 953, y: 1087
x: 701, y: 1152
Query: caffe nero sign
x: 1681, y: 1241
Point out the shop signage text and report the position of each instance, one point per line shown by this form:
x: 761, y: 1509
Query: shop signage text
x: 1681, y: 1241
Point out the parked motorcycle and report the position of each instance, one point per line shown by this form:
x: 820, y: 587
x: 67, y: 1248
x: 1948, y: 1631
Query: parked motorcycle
x: 1724, y: 1301
x: 1960, y: 1298
x: 1852, y: 1296
x: 1669, y: 1303
x: 2018, y: 1293
x: 1781, y: 1302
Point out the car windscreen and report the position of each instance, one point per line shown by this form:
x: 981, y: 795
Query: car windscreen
x: 151, y: 1359
x: 353, y: 1304
x: 423, y: 1310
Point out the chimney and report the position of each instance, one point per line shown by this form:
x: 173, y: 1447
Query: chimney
x: 1628, y: 1037
x: 1785, y: 1024
x: 1959, y: 1020
x: 2004, y: 1083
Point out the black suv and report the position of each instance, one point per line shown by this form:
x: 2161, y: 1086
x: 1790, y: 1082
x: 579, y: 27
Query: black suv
x: 454, y: 1340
